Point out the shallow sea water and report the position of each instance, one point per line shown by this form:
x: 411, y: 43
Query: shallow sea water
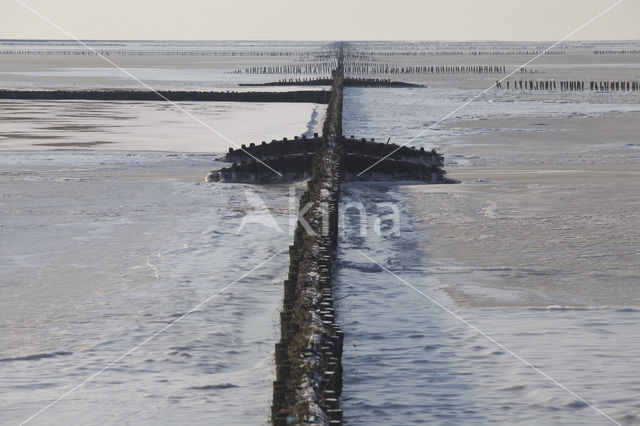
x: 101, y: 250
x: 478, y: 250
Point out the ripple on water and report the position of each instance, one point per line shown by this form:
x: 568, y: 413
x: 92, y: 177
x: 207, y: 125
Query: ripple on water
x: 213, y: 387
x: 37, y: 357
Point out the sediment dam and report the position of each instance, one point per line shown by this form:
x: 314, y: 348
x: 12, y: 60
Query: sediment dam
x: 308, y: 357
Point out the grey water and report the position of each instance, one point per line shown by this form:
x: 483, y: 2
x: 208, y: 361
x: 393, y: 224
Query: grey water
x: 109, y: 234
x: 412, y: 354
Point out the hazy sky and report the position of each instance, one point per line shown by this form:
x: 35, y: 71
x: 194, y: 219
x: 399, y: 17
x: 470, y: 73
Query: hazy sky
x: 321, y: 19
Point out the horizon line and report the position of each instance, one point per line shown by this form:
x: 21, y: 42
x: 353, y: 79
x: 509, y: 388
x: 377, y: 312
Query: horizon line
x: 323, y: 40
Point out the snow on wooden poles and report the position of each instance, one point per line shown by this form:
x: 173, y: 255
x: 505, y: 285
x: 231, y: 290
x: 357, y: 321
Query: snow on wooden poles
x: 308, y: 356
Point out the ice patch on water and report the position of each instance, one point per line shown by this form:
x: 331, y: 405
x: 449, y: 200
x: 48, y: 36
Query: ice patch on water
x: 314, y: 126
x: 491, y: 211
x: 476, y: 181
x: 574, y: 308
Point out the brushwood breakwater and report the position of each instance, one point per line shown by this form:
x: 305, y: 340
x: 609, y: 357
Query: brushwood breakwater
x: 309, y: 355
x: 362, y: 160
x: 310, y: 96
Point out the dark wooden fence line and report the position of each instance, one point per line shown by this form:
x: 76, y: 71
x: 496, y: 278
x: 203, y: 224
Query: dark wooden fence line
x: 314, y: 96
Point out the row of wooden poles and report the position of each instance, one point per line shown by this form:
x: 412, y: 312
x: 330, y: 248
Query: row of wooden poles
x: 348, y: 82
x: 134, y: 52
x: 372, y: 68
x: 617, y: 52
x: 309, y: 353
x: 462, y: 52
x: 572, y: 85
x: 310, y: 68
x: 331, y: 350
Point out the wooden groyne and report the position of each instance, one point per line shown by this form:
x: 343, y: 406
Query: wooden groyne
x: 293, y: 158
x: 392, y: 162
x: 309, y: 355
x: 310, y: 96
x: 274, y: 149
x: 348, y: 82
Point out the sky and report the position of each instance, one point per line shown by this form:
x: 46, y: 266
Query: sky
x: 321, y: 19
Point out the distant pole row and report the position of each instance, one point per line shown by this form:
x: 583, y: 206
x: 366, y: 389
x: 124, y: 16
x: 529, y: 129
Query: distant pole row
x: 456, y: 53
x: 323, y: 69
x: 368, y: 68
x: 319, y: 81
x: 617, y: 52
x: 117, y: 52
x: 596, y: 86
